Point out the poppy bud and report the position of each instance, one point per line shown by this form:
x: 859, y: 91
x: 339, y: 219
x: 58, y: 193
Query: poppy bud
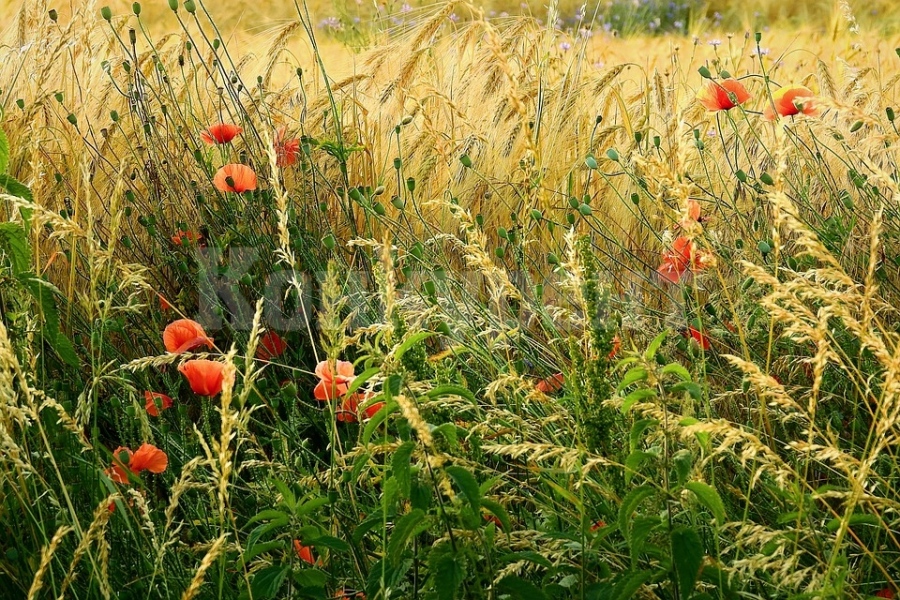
x: 856, y: 127
x: 398, y: 202
x: 406, y: 120
x: 329, y: 242
x: 58, y: 96
x: 585, y: 210
x: 766, y: 179
x: 411, y: 184
x: 190, y: 6
x: 136, y: 8
x: 890, y: 114
x: 173, y: 4
x: 536, y: 214
x: 613, y: 155
x: 53, y: 15
x: 378, y: 191
x: 132, y: 37
x: 466, y: 161
x: 591, y: 163
x: 398, y: 163
x: 72, y: 119
x: 378, y: 207
x: 758, y: 37
x: 704, y: 73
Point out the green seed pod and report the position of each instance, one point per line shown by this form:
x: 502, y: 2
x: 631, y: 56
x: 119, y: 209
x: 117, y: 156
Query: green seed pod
x: 613, y: 155
x: 585, y: 210
x: 591, y: 163
x: 704, y: 73
x: 766, y: 179
x: 411, y: 184
x: 378, y: 191
x: 173, y: 4
x: 764, y: 247
x: 379, y: 209
x: 398, y: 202
x: 501, y: 232
x: 741, y: 176
x: 890, y: 114
x: 570, y: 218
x: 136, y: 8
x: 190, y: 6
x: 573, y: 202
x: 856, y: 127
x: 72, y: 119
x: 406, y: 120
x: 106, y: 13
x: 53, y: 15
x: 499, y: 251
x: 536, y: 214
x: 635, y: 198
x: 724, y: 74
x: 552, y: 259
x: 329, y: 242
x: 466, y: 161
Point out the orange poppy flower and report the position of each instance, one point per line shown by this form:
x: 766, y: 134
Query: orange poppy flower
x: 331, y: 385
x: 186, y: 238
x: 791, y: 100
x: 163, y: 303
x: 118, y: 470
x: 204, y: 376
x: 152, y: 407
x: 185, y: 334
x: 702, y: 340
x: 150, y: 458
x: 884, y: 593
x: 554, y: 383
x: 349, y: 412
x: 682, y: 258
x: 493, y: 519
x: 304, y: 553
x: 285, y: 150
x: 349, y: 594
x: 236, y: 178
x: 616, y: 347
x: 270, y: 346
x: 722, y: 95
x: 598, y: 525
x: 220, y: 134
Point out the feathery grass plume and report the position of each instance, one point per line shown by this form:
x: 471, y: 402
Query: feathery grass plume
x: 46, y: 556
x: 96, y: 532
x: 209, y: 558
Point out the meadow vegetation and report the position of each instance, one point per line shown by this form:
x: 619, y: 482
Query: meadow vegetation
x: 432, y: 301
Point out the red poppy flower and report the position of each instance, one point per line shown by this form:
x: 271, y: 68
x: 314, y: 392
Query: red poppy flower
x: 493, y: 519
x: 698, y: 336
x: 598, y: 525
x: 118, y: 471
x: 163, y: 303
x: 304, y: 553
x: 554, y: 383
x: 682, y: 258
x: 722, y: 95
x: 285, y: 150
x: 204, y: 376
x: 220, y: 134
x: 270, y: 346
x: 186, y: 238
x: 150, y: 458
x: 349, y: 412
x: 884, y: 593
x: 616, y: 347
x: 185, y: 334
x: 235, y: 178
x: 331, y: 385
x: 151, y: 402
x: 791, y: 100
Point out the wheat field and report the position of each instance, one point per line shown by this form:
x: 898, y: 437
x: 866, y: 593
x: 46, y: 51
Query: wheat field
x: 506, y: 301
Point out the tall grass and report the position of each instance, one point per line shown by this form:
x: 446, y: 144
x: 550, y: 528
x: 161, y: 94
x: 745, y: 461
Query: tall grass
x: 476, y: 219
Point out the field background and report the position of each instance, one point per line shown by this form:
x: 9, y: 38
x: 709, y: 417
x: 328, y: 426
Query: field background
x: 476, y: 216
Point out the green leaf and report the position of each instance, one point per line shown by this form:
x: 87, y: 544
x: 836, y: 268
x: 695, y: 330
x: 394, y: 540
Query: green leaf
x: 635, y: 397
x: 257, y: 549
x: 267, y: 515
x: 361, y: 379
x: 684, y: 462
x: 332, y: 543
x: 629, y: 584
x: 267, y: 582
x: 407, y: 527
x: 400, y: 467
x: 496, y: 509
x: 366, y: 526
x: 287, y: 496
x: 519, y: 589
x: 858, y: 519
x: 446, y: 572
x: 377, y: 420
x: 641, y: 528
x: 634, y: 461
x: 526, y: 555
x: 637, y: 432
x: 633, y: 375
x: 655, y: 345
x: 411, y: 341
x: 4, y: 152
x: 451, y: 390
x: 690, y: 387
x: 466, y: 482
x: 687, y: 558
x: 265, y: 528
x: 630, y: 503
x: 43, y: 292
x: 709, y: 497
x: 14, y: 243
x: 15, y: 188
x: 677, y: 370
x: 448, y: 430
x: 310, y: 506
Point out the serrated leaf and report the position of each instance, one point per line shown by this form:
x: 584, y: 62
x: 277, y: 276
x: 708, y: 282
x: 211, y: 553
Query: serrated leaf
x: 400, y: 468
x: 709, y: 497
x: 467, y: 484
x: 641, y: 528
x: 446, y: 572
x: 629, y: 584
x: 407, y: 527
x: 633, y: 375
x: 630, y: 503
x: 361, y: 379
x: 687, y: 558
x: 366, y: 526
x: 637, y: 432
x: 451, y: 390
x: 267, y: 582
x: 519, y: 589
x: 266, y: 515
x: 310, y: 506
x: 655, y: 345
x: 694, y: 389
x: 14, y: 243
x: 15, y: 188
x: 677, y: 370
x: 287, y: 496
x: 377, y: 420
x: 496, y: 509
x: 332, y: 543
x: 636, y: 396
x: 411, y: 341
x: 633, y: 463
x: 257, y: 549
